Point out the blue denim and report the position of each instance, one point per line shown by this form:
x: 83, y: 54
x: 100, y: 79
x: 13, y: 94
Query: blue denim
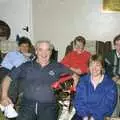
x: 45, y: 111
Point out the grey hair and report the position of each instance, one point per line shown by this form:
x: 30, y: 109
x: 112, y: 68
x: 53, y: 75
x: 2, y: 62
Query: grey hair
x: 51, y: 46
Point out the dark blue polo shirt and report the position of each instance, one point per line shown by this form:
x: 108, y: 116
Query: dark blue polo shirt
x: 37, y: 80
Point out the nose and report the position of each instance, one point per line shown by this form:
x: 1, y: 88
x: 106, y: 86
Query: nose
x: 94, y: 68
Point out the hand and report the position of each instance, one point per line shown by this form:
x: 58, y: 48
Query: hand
x: 6, y: 101
x: 115, y: 78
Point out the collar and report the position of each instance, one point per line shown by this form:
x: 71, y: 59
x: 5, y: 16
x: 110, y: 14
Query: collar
x: 118, y: 55
x: 96, y: 83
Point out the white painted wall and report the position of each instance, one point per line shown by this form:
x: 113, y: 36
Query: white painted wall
x: 17, y: 13
x: 62, y: 20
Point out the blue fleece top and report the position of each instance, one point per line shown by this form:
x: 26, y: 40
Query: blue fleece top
x: 99, y: 102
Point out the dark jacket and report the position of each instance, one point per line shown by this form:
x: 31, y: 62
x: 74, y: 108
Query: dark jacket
x: 37, y: 80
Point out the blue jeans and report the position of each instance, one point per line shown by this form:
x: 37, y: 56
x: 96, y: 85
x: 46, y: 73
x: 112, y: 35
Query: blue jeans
x: 37, y: 111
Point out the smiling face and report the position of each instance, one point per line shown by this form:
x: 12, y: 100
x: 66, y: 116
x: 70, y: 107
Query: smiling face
x: 24, y: 48
x: 43, y: 52
x: 95, y: 68
x: 96, y: 65
x: 78, y: 47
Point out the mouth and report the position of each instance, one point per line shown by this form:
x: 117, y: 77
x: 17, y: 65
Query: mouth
x: 44, y: 58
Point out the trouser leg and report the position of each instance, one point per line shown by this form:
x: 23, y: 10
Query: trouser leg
x: 26, y: 113
x: 46, y: 111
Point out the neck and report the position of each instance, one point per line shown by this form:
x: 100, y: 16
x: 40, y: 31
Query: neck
x: 42, y: 63
x: 96, y: 78
x: 79, y: 51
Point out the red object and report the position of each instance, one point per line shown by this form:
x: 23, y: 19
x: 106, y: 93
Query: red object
x: 78, y: 61
x: 55, y: 85
x: 63, y: 78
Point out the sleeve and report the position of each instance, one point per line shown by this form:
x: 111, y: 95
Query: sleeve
x: 107, y: 105
x: 7, y: 61
x: 65, y: 70
x: 79, y: 100
x: 66, y: 60
x: 18, y: 73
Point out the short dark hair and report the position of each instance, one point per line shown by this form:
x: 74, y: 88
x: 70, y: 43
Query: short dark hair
x: 24, y: 40
x: 117, y: 38
x: 80, y: 39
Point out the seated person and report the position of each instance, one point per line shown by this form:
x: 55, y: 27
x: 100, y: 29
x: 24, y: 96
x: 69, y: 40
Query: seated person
x: 96, y: 93
x: 112, y: 66
x: 16, y: 58
x: 112, y: 60
x: 77, y: 59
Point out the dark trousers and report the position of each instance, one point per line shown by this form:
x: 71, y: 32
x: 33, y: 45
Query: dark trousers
x: 43, y: 111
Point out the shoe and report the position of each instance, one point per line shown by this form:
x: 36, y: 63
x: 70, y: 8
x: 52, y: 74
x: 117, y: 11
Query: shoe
x: 10, y: 112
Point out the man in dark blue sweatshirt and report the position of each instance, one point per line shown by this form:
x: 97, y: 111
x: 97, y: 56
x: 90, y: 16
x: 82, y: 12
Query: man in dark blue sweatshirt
x: 38, y: 102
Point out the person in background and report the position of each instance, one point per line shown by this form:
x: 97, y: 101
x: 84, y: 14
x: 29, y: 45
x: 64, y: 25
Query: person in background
x: 38, y: 101
x: 112, y: 66
x: 96, y: 93
x: 15, y: 58
x: 77, y: 59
